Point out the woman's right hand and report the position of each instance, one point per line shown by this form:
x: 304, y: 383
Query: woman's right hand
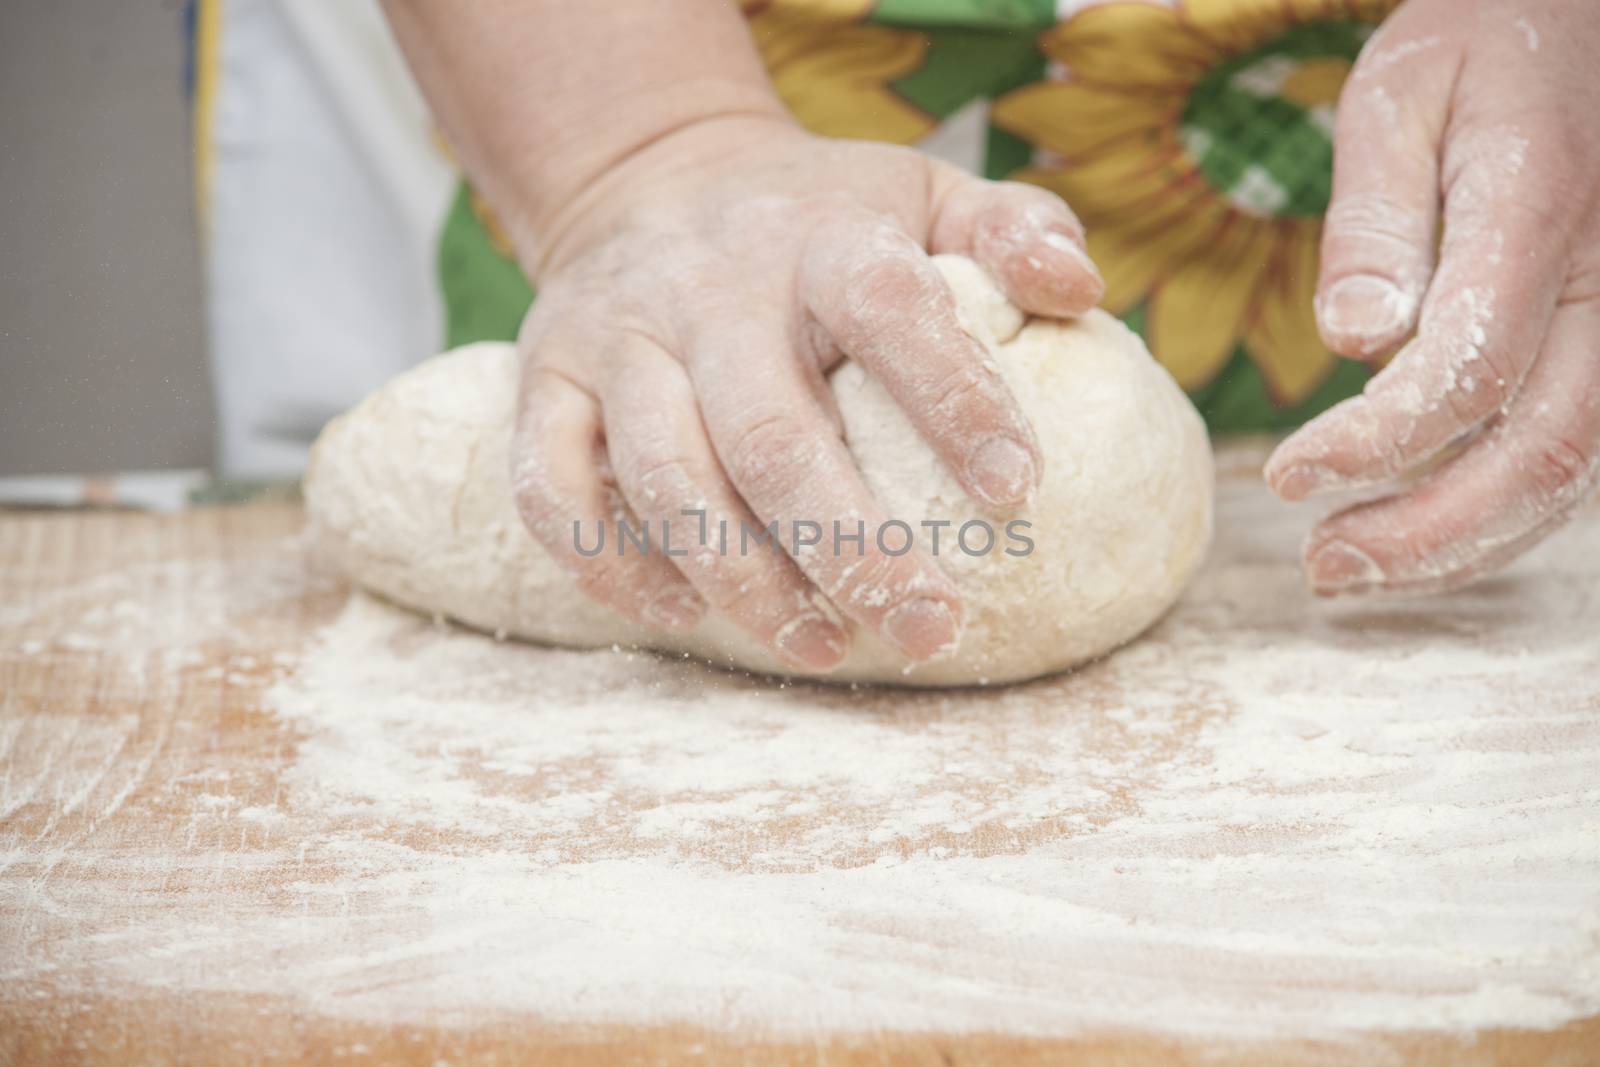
x: 691, y: 303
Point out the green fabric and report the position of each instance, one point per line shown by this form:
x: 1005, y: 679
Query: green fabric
x: 966, y: 65
x: 1005, y: 154
x: 982, y: 14
x: 485, y: 293
x: 1269, y: 155
x: 963, y: 65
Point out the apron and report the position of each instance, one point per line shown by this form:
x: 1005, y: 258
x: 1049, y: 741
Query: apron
x: 1193, y: 138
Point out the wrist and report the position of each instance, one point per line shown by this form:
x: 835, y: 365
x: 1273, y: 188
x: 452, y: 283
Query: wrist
x: 591, y: 182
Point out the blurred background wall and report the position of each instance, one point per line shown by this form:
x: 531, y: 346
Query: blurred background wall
x: 102, y: 357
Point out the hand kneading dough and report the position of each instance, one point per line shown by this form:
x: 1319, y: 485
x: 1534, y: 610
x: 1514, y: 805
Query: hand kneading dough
x: 409, y: 493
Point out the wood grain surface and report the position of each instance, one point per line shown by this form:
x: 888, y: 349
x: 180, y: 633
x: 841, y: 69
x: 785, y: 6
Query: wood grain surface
x: 116, y: 721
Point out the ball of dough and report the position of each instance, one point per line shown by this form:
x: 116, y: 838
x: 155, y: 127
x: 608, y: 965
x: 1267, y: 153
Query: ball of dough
x: 409, y: 494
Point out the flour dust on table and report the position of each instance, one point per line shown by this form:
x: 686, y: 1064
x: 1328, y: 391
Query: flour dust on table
x: 1271, y: 818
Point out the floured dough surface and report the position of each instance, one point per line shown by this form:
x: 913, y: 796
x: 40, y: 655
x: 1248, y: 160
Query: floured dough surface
x: 409, y: 494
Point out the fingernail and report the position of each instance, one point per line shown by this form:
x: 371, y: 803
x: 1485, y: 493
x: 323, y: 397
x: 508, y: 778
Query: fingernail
x: 1301, y: 481
x: 1063, y: 243
x: 812, y: 643
x: 922, y: 628
x: 1001, y: 470
x: 676, y: 609
x: 1340, y: 567
x: 1364, y: 308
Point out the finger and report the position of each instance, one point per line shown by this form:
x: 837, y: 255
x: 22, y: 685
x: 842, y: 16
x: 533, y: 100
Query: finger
x: 1380, y: 228
x: 886, y: 305
x: 1510, y: 488
x: 790, y: 466
x: 670, y: 477
x: 1482, y: 324
x: 1025, y: 237
x: 565, y: 499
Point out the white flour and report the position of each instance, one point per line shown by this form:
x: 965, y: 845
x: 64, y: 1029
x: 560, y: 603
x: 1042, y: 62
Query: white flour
x: 1268, y: 818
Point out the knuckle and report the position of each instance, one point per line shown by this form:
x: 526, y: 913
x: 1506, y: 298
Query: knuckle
x: 1583, y: 284
x: 889, y: 277
x: 1558, y: 468
x: 1569, y: 179
x: 1033, y: 206
x: 662, y: 478
x: 767, y: 454
x: 867, y: 587
x: 531, y: 491
x: 596, y: 578
x: 1477, y: 394
x: 1372, y: 217
x: 625, y: 580
x: 966, y: 394
x: 747, y: 592
x: 1492, y: 386
x: 540, y: 498
x: 617, y: 583
x: 1532, y: 219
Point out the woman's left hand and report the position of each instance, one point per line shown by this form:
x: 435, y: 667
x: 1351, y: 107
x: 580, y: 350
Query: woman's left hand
x: 1485, y: 115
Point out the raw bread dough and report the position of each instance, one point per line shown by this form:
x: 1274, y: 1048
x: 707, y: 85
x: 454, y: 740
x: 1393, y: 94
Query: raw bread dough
x: 409, y: 493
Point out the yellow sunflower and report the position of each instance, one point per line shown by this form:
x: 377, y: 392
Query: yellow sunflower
x: 833, y: 71
x: 1195, y: 143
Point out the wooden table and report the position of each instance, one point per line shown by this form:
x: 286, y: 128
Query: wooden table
x: 176, y: 837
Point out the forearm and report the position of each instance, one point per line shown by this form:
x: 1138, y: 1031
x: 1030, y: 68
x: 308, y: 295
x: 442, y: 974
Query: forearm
x: 540, y: 97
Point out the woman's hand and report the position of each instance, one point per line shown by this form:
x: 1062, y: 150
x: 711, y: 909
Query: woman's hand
x: 691, y: 302
x: 701, y: 262
x: 1482, y: 115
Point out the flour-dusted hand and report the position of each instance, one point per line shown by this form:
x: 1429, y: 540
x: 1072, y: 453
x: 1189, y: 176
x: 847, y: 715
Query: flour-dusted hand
x: 701, y: 263
x: 690, y: 305
x: 1480, y: 115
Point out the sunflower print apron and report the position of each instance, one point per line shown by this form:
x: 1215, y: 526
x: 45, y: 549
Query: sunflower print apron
x: 1193, y: 138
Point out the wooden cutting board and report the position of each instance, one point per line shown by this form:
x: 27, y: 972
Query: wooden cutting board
x: 244, y: 818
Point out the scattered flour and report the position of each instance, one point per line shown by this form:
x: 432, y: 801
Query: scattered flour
x: 1269, y: 817
x: 1530, y: 35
